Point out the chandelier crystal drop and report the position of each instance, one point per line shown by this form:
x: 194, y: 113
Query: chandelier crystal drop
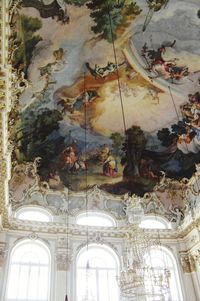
x: 88, y: 295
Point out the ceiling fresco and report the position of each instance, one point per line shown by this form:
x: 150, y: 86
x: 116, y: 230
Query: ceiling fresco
x: 108, y: 93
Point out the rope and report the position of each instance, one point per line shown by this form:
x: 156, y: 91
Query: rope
x: 86, y: 183
x: 86, y: 172
x: 116, y: 62
x: 174, y: 103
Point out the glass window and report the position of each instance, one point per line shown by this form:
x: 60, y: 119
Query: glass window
x: 154, y: 222
x: 95, y: 219
x: 34, y: 214
x: 162, y: 261
x: 29, y: 270
x: 97, y: 268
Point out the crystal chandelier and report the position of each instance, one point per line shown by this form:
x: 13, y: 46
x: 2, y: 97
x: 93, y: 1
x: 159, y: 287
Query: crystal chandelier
x: 137, y: 280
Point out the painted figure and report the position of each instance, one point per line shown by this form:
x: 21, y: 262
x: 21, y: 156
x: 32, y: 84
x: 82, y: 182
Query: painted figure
x: 110, y: 166
x: 104, y: 153
x: 69, y: 158
x: 145, y: 169
x: 103, y: 72
x: 55, y: 181
x: 157, y: 64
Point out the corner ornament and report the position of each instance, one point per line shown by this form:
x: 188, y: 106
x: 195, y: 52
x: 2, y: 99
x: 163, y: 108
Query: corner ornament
x: 187, y: 263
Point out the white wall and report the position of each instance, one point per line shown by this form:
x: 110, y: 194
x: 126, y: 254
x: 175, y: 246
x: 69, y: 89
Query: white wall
x: 65, y: 281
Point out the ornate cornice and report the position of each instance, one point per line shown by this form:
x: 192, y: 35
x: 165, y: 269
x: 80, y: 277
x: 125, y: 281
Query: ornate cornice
x: 178, y: 235
x: 83, y: 231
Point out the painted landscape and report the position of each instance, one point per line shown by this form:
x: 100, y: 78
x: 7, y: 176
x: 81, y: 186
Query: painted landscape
x: 108, y: 93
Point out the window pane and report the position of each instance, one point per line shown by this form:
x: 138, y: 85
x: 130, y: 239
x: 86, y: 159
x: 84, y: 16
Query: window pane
x: 28, y: 277
x: 86, y: 285
x: 34, y: 215
x: 30, y: 257
x: 103, y: 284
x: 98, y: 257
x: 33, y: 279
x: 152, y: 224
x: 95, y: 219
x: 114, y: 289
x: 30, y: 252
x: 174, y: 287
x: 13, y: 283
x: 92, y: 285
x: 98, y: 282
x: 43, y: 284
x: 160, y: 259
x: 23, y: 283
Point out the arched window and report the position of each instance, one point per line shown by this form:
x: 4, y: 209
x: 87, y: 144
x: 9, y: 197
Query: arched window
x: 97, y: 268
x: 154, y: 222
x: 161, y: 259
x: 95, y: 219
x: 34, y: 214
x: 28, y: 274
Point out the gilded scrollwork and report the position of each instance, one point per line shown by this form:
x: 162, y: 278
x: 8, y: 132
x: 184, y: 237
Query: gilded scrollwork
x: 187, y: 263
x: 196, y: 255
x: 4, y: 75
x: 13, y: 5
x: 3, y: 253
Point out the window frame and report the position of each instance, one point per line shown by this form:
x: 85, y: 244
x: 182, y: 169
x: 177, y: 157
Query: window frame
x: 18, y: 244
x: 167, y: 253
x: 82, y: 250
x: 38, y: 209
x: 95, y: 214
x: 156, y: 218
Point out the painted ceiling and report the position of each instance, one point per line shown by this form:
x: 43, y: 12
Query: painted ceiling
x: 108, y: 93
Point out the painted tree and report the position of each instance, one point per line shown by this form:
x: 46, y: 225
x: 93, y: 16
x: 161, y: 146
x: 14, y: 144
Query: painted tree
x: 33, y: 135
x: 76, y: 2
x: 117, y: 140
x: 133, y: 147
x: 108, y: 15
x: 167, y: 136
x: 26, y: 28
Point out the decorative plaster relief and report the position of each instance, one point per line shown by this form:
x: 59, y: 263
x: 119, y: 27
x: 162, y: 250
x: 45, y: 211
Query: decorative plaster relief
x: 63, y: 253
x: 63, y: 259
x: 3, y: 253
x: 187, y: 263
